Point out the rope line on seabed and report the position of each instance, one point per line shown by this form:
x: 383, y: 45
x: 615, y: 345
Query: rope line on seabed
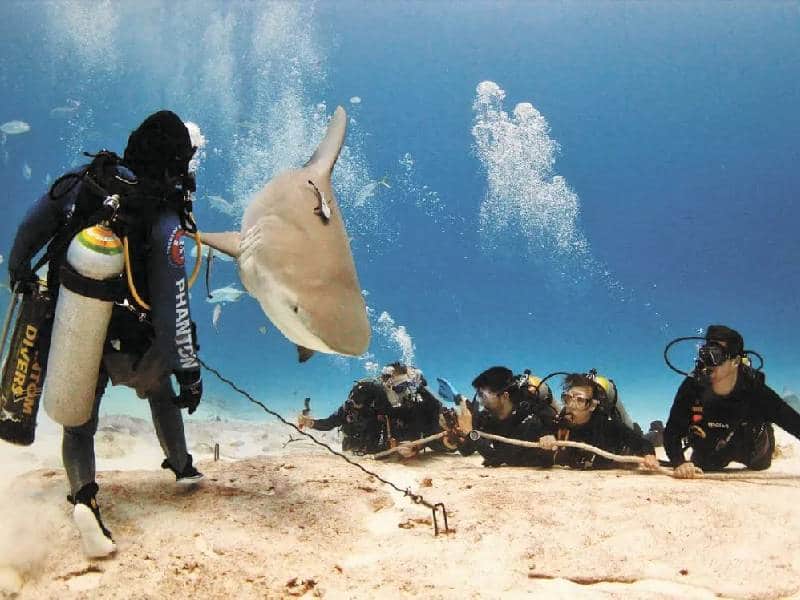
x: 744, y: 476
x: 416, y: 498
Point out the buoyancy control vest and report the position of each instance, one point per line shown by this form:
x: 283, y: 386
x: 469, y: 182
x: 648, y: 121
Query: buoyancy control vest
x: 156, y: 224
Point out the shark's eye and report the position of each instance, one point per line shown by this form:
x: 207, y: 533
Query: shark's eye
x: 296, y: 308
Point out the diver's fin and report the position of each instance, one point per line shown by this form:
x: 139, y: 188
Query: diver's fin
x: 327, y: 152
x: 303, y: 354
x: 226, y: 242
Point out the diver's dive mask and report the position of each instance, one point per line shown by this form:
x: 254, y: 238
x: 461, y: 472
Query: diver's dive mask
x: 712, y: 355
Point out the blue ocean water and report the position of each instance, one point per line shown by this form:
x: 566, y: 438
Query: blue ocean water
x: 553, y: 186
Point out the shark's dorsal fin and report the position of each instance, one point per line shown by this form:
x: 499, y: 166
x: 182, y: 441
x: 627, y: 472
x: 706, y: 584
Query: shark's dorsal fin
x: 327, y: 152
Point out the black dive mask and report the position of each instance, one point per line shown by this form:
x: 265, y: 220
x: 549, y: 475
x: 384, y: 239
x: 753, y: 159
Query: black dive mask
x: 712, y: 355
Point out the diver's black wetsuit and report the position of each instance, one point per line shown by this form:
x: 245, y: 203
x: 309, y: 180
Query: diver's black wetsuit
x: 139, y: 353
x: 607, y: 434
x: 416, y: 417
x: 526, y: 422
x: 722, y: 429
x: 364, y: 428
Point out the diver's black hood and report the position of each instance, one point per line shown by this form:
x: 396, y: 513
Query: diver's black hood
x: 159, y: 147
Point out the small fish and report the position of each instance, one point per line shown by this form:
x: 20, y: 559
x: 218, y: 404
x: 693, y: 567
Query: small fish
x: 27, y: 171
x: 219, y: 203
x: 62, y: 112
x: 262, y: 330
x: 15, y: 127
x: 355, y: 100
x: 228, y: 293
x: 368, y: 191
x: 215, y: 316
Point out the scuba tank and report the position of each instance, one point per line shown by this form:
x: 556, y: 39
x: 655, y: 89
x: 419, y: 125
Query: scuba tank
x: 23, y: 364
x: 91, y: 280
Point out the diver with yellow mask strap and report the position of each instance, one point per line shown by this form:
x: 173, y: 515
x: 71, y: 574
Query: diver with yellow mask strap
x: 588, y: 416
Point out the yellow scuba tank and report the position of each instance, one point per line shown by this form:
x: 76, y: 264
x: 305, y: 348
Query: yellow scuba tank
x: 534, y: 383
x: 613, y: 403
x: 90, y: 282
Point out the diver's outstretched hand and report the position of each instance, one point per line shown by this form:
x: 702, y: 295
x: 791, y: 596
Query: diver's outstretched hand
x: 548, y: 442
x: 650, y: 463
x: 446, y: 390
x: 304, y: 421
x: 687, y: 470
x: 464, y: 419
x: 406, y: 450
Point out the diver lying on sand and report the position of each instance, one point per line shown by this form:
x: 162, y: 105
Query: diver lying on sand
x: 521, y: 408
x: 379, y: 414
x: 511, y: 408
x: 583, y: 419
x: 723, y: 410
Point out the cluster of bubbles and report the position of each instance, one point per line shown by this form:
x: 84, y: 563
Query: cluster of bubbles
x: 527, y: 200
x: 524, y: 196
x: 397, y: 335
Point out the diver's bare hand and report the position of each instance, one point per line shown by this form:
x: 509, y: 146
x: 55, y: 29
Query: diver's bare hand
x: 304, y: 421
x: 464, y: 419
x: 687, y: 471
x: 650, y: 463
x: 406, y: 450
x: 548, y: 442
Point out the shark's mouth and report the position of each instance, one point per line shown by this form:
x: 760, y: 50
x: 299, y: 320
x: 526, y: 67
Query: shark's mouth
x: 289, y: 316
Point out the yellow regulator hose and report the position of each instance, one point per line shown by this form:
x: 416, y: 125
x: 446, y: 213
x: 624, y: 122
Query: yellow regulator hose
x: 198, y: 259
x: 129, y: 273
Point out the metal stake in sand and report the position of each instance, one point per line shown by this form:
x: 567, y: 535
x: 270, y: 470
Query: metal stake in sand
x: 216, y: 452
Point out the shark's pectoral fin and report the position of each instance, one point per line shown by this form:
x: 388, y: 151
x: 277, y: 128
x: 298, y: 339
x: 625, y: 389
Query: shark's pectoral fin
x: 303, y: 354
x: 225, y: 241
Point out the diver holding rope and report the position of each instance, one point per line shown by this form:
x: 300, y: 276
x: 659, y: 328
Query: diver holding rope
x: 724, y: 410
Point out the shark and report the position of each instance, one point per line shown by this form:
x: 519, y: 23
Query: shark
x: 294, y: 255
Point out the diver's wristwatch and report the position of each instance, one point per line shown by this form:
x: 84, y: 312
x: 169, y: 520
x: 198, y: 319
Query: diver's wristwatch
x: 474, y: 435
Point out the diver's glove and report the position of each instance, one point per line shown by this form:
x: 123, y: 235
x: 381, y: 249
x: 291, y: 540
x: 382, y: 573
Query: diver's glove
x: 191, y: 389
x: 446, y: 390
x: 23, y: 277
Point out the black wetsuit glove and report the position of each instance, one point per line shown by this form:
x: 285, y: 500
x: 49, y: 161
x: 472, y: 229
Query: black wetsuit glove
x: 191, y: 386
x: 23, y: 276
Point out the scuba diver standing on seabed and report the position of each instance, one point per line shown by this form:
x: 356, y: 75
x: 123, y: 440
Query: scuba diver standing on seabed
x: 117, y: 280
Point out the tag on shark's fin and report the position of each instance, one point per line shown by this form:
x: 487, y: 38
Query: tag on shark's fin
x: 227, y: 242
x: 307, y: 406
x: 303, y: 354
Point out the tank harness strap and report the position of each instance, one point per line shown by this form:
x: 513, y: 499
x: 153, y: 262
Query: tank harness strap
x: 108, y: 290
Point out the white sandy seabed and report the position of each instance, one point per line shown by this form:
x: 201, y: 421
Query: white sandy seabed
x: 280, y: 518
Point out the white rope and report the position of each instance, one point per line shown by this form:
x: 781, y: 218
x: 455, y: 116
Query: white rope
x: 580, y: 445
x: 413, y: 444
